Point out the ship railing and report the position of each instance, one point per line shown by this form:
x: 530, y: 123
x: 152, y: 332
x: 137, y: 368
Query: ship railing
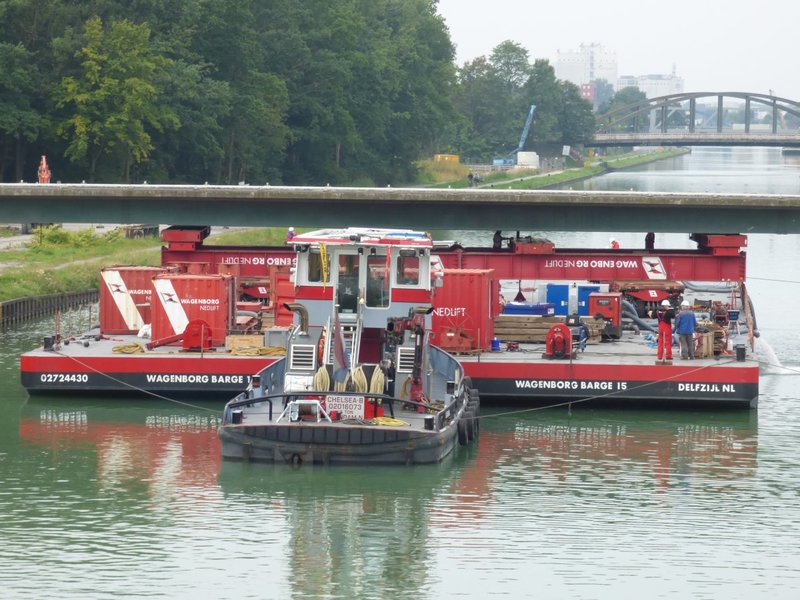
x: 232, y: 413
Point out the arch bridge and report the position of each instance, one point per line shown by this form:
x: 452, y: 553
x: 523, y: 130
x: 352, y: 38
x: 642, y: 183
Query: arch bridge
x: 747, y: 119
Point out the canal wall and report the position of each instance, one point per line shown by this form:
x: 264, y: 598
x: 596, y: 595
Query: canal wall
x: 24, y: 309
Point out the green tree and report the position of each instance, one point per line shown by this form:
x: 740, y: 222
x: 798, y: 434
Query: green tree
x: 493, y: 96
x: 544, y: 91
x: 603, y: 92
x: 19, y: 120
x: 620, y: 109
x: 511, y: 64
x: 576, y: 120
x: 114, y: 101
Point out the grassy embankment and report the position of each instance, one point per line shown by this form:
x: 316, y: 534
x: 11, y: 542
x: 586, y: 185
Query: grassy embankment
x: 58, y: 261
x: 529, y: 179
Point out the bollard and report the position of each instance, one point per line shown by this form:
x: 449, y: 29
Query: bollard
x: 740, y: 349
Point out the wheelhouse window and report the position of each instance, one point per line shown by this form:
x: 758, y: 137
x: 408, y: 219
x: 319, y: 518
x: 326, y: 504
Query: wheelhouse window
x: 377, y: 281
x: 314, y: 269
x: 408, y: 266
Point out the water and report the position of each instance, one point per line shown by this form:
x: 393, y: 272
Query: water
x: 107, y: 498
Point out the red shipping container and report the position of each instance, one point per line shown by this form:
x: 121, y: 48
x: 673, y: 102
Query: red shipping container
x: 284, y: 293
x: 125, y: 295
x: 466, y: 303
x: 179, y: 299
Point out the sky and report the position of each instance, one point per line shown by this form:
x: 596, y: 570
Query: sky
x: 715, y: 45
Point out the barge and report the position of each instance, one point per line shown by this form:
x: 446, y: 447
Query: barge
x: 493, y: 308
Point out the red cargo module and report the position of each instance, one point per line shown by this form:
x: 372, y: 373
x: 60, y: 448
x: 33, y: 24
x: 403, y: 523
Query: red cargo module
x: 125, y: 294
x: 464, y: 309
x: 180, y: 299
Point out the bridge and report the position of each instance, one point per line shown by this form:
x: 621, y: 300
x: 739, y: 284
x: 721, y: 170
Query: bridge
x: 679, y: 120
x: 419, y: 208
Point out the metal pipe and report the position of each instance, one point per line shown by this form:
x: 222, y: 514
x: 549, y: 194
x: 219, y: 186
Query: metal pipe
x: 302, y: 311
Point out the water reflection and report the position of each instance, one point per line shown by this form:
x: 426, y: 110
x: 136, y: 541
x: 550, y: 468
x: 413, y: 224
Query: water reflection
x: 353, y: 531
x: 658, y: 448
x: 132, y: 442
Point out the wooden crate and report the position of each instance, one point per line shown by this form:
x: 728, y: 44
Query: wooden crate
x: 705, y: 345
x: 523, y: 328
x: 243, y: 342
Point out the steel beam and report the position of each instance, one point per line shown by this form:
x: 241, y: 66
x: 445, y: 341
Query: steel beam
x: 420, y: 208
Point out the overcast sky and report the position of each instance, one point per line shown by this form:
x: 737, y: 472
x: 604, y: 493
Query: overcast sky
x: 717, y: 45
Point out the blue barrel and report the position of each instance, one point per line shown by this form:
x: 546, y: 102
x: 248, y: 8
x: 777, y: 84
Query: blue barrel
x: 495, y: 345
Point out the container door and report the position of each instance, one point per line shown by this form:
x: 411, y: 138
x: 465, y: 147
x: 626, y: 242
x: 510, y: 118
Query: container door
x: 558, y: 296
x: 583, y: 297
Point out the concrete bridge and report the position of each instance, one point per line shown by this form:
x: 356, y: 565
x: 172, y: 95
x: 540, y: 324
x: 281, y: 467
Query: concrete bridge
x: 678, y: 119
x: 419, y: 208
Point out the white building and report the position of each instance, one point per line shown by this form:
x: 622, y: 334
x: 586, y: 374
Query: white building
x: 589, y: 63
x: 653, y: 85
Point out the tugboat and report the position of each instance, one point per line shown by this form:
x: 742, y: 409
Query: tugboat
x: 360, y: 383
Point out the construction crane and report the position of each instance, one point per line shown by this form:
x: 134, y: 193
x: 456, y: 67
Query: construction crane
x: 511, y: 158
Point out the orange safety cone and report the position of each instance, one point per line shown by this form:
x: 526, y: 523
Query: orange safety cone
x: 44, y: 171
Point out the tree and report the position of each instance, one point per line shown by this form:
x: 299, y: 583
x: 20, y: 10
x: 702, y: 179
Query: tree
x: 544, y: 91
x: 626, y: 97
x: 576, y: 120
x: 114, y: 101
x: 603, y: 92
x: 19, y: 120
x: 511, y: 64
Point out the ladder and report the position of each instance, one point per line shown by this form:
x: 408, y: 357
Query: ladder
x: 350, y: 325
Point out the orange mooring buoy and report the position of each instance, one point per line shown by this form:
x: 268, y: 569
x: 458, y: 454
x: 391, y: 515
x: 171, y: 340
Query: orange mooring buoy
x: 44, y: 171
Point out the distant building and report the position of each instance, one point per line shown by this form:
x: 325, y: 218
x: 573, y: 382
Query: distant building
x: 653, y: 85
x: 587, y: 64
x: 589, y: 92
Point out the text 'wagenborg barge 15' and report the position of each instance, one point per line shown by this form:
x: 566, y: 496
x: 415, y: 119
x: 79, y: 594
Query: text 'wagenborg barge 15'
x: 526, y: 320
x: 360, y: 382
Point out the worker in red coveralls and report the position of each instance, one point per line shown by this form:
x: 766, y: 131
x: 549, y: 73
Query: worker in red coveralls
x: 665, y: 315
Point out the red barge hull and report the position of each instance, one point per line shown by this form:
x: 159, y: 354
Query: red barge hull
x: 721, y: 382
x: 608, y: 384
x: 97, y: 369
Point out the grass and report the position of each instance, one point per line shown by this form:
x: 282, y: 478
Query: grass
x: 58, y: 261
x: 435, y: 173
x: 603, y: 165
x: 551, y: 179
x: 267, y: 236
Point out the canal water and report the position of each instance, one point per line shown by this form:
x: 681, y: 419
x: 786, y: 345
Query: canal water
x: 108, y: 498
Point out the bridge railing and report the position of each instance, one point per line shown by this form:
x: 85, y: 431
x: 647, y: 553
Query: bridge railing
x: 700, y: 136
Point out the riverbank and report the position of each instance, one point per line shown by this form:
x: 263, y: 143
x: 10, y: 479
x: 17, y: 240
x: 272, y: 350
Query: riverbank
x: 62, y: 261
x: 606, y: 165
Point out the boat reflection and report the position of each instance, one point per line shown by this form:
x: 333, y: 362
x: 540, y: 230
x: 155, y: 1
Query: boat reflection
x: 666, y: 448
x: 133, y: 441
x: 349, y: 527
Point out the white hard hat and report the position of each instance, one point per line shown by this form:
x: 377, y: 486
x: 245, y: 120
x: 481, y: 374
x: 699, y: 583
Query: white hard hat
x: 665, y: 303
x: 291, y: 228
x: 685, y: 303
